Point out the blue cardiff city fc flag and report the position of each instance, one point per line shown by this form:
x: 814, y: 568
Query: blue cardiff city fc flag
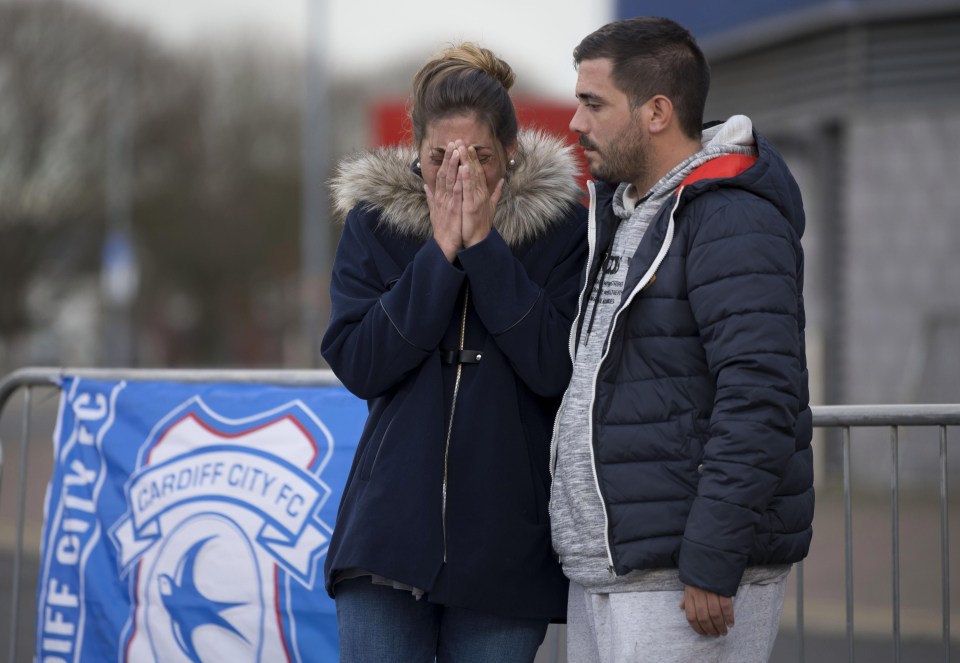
x: 188, y: 522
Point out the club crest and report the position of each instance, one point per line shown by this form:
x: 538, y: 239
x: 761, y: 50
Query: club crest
x: 219, y: 512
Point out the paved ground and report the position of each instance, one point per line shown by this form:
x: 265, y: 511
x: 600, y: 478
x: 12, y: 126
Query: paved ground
x: 824, y: 581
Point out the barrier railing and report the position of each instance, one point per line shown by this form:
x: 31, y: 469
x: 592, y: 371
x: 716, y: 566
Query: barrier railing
x: 843, y: 418
x: 893, y: 417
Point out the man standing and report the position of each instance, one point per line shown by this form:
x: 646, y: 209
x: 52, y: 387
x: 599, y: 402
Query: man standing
x: 682, y: 471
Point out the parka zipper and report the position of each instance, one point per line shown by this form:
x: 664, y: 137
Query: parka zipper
x: 453, y: 408
x: 644, y: 281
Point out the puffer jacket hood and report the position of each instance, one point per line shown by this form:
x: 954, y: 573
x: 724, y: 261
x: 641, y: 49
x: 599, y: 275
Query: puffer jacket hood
x: 536, y: 195
x: 768, y: 177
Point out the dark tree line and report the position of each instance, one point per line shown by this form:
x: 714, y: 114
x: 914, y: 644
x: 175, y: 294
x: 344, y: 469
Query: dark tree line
x: 214, y: 175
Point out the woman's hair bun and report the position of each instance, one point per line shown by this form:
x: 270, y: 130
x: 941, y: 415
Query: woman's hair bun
x: 463, y: 79
x: 481, y: 58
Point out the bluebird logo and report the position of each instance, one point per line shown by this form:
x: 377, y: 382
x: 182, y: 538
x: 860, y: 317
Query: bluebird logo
x: 188, y: 607
x: 203, y: 597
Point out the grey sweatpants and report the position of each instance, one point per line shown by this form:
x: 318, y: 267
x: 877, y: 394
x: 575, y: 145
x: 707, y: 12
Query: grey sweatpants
x: 650, y: 627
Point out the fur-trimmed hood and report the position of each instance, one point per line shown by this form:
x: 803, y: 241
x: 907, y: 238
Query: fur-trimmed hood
x: 537, y: 193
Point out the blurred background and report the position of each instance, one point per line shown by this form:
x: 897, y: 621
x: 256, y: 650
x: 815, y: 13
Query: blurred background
x: 163, y: 199
x: 163, y: 167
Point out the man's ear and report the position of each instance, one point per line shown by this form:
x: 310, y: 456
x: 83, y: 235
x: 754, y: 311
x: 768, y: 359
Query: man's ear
x: 659, y: 113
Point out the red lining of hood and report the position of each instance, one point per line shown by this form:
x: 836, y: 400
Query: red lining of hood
x: 729, y: 165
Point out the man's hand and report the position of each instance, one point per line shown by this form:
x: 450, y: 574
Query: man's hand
x: 707, y: 613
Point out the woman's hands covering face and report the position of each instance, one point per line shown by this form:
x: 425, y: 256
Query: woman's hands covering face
x: 479, y: 204
x: 446, y: 204
x: 461, y: 207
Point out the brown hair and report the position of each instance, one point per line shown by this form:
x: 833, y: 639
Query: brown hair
x: 461, y: 80
x: 651, y: 56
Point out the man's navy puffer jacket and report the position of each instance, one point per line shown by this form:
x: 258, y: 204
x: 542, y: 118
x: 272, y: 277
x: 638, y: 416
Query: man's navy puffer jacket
x: 701, y: 422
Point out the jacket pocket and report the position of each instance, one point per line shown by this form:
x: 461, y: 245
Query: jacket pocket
x: 372, y: 453
x: 378, y: 430
x: 539, y: 491
x: 697, y: 436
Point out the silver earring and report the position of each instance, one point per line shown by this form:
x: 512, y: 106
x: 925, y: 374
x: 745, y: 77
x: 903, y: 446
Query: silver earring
x: 512, y: 163
x: 418, y: 164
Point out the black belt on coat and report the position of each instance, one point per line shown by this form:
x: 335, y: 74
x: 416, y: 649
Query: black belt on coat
x: 461, y: 356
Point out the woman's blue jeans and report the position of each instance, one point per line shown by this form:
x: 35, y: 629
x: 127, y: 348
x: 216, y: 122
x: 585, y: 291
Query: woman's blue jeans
x: 380, y: 624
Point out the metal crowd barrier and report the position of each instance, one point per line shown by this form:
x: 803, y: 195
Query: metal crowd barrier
x: 893, y: 417
x: 841, y: 417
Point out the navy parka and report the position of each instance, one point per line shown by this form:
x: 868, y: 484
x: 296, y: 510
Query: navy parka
x: 465, y: 520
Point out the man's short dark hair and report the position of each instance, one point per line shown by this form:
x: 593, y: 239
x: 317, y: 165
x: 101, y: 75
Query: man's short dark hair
x: 653, y: 56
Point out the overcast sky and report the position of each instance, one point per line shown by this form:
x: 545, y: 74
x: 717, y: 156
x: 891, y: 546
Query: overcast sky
x: 535, y: 36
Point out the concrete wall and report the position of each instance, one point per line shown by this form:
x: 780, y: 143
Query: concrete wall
x: 902, y: 274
